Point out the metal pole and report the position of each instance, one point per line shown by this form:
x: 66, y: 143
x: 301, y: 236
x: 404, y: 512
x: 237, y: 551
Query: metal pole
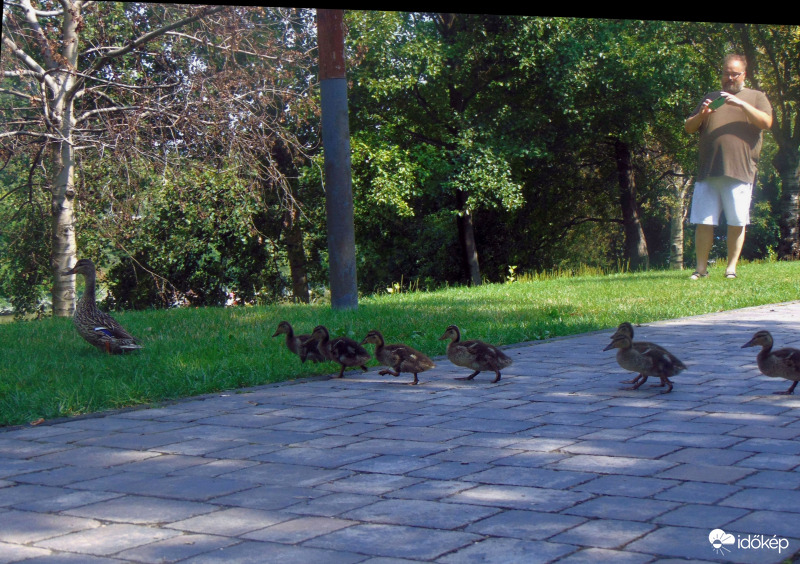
x: 336, y: 143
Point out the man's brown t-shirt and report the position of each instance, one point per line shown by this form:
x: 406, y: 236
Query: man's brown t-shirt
x: 729, y: 144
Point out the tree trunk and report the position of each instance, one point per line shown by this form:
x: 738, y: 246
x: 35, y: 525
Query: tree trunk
x: 787, y: 162
x: 64, y: 247
x: 466, y: 236
x: 680, y: 189
x: 635, y: 244
x: 296, y: 255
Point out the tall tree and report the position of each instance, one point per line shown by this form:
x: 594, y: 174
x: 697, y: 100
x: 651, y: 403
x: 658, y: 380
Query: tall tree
x: 72, y: 96
x: 773, y: 54
x: 440, y: 81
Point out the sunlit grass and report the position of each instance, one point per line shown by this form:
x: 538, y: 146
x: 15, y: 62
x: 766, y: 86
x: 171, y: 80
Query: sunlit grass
x: 48, y: 371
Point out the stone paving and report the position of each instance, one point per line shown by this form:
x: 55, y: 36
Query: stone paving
x: 556, y: 462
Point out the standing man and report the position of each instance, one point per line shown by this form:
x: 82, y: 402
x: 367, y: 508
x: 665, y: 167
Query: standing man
x: 730, y: 142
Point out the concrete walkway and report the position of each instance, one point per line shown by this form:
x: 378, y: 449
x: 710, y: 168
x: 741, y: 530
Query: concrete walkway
x: 556, y: 462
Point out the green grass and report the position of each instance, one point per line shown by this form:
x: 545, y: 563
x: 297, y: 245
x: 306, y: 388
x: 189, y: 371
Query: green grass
x: 48, y: 371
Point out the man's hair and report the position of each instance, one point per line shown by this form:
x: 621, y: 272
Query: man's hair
x: 735, y: 57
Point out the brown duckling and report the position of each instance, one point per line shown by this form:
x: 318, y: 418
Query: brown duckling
x: 302, y: 345
x: 342, y: 350
x: 647, y: 362
x: 626, y: 328
x: 401, y: 358
x: 97, y: 327
x: 477, y: 355
x: 781, y: 363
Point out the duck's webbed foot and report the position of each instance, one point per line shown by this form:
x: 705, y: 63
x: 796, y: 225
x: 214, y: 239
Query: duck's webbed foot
x: 470, y: 377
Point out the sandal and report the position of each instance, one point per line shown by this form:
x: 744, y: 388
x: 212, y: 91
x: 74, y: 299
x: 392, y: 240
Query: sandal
x: 697, y: 275
x: 730, y: 275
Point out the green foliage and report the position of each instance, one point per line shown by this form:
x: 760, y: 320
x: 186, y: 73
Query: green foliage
x: 24, y: 225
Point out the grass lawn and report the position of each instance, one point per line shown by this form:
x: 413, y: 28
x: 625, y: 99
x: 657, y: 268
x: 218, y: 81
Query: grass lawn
x: 48, y: 371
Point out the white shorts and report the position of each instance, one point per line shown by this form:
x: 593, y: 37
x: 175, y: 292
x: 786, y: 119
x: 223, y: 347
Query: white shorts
x: 720, y: 193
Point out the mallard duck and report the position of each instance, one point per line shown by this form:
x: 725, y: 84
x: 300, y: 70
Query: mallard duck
x: 302, y: 345
x: 477, y: 355
x: 342, y: 350
x: 782, y: 363
x: 401, y: 358
x: 97, y: 327
x: 646, y: 362
x: 626, y: 328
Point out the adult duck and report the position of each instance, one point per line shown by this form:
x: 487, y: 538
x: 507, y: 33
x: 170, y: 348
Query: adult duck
x: 97, y: 327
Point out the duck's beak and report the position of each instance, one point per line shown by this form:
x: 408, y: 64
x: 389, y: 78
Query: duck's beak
x: 68, y: 272
x: 609, y: 346
x: 749, y: 343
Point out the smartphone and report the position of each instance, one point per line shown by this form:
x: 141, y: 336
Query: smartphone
x: 718, y: 103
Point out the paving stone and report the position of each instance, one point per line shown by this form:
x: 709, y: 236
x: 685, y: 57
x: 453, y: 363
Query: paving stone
x: 602, y: 555
x: 613, y: 465
x: 538, y: 477
x: 141, y: 510
x: 257, y: 552
x: 603, y: 533
x: 765, y: 498
x: 394, y: 541
x: 518, y: 497
x: 772, y: 479
x: 299, y: 530
x: 420, y: 513
x: 107, y: 540
x: 370, y: 484
x: 176, y: 548
x: 697, y: 492
x: 230, y: 522
x: 388, y: 464
x: 777, y: 446
x: 707, y: 456
x: 769, y: 523
x: 23, y: 527
x: 706, y: 473
x: 17, y: 553
x: 632, y: 486
x: 95, y: 457
x: 510, y: 551
x: 332, y: 504
x: 64, y: 475
x: 430, y: 490
x: 771, y: 461
x: 697, y: 515
x: 449, y: 470
x: 525, y: 525
x: 619, y: 448
x: 622, y: 508
x: 69, y: 499
x: 287, y: 475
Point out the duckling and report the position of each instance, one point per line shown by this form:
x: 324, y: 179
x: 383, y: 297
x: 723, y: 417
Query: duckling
x: 782, y: 363
x: 648, y: 362
x: 626, y: 328
x: 302, y: 345
x: 477, y: 355
x: 342, y: 350
x: 97, y: 327
x: 401, y: 358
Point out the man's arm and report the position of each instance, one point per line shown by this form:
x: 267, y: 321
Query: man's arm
x: 759, y: 118
x: 694, y: 121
